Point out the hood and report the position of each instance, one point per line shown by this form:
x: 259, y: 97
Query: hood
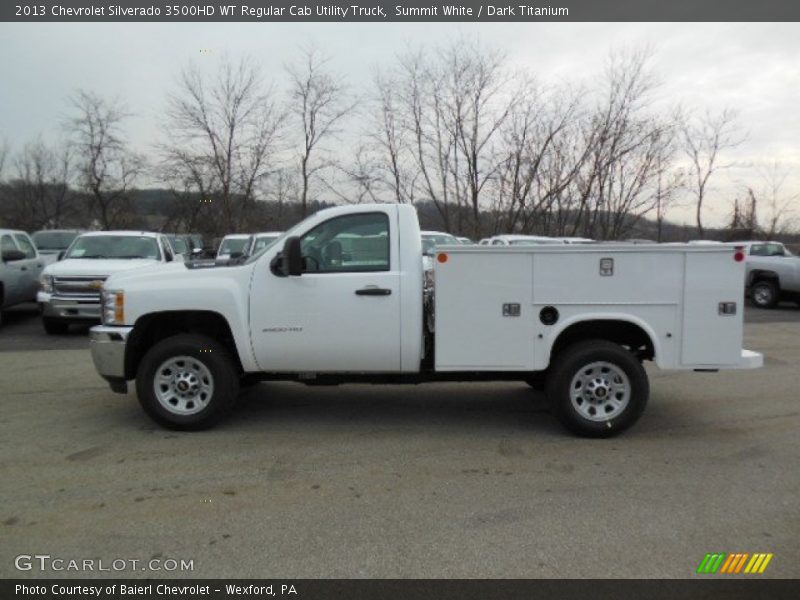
x: 170, y: 270
x: 96, y: 266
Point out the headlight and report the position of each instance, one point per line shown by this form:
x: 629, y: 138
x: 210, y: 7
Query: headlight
x: 46, y: 283
x: 113, y: 307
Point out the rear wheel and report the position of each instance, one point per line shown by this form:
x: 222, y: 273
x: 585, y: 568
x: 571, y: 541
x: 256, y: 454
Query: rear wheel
x: 55, y: 326
x: 597, y: 388
x: 187, y: 382
x: 764, y: 294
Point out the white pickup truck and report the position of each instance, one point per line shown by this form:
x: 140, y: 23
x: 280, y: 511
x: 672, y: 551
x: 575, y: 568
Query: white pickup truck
x: 342, y: 298
x: 773, y: 274
x: 69, y: 289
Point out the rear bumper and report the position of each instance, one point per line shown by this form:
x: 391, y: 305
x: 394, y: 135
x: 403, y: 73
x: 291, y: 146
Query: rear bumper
x: 751, y: 360
x: 108, y: 354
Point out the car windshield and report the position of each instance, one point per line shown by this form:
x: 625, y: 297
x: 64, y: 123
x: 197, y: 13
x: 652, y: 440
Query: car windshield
x: 231, y: 245
x: 769, y: 249
x: 431, y: 241
x: 54, y: 240
x: 114, y: 246
x: 178, y: 244
x: 533, y: 242
x: 264, y: 241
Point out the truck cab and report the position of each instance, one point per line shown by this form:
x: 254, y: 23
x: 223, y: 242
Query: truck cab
x: 343, y: 298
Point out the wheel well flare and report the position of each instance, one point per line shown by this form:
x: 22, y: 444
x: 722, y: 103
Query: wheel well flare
x: 151, y: 329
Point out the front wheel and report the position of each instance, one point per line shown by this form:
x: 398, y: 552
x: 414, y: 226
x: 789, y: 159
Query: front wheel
x: 187, y: 382
x: 597, y: 388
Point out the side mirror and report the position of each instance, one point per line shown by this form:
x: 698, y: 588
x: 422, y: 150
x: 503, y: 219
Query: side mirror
x: 293, y: 256
x: 12, y: 255
x: 61, y: 255
x: 196, y: 251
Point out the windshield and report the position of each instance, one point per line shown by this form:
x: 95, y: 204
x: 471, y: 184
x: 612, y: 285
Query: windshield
x: 178, y: 244
x: 54, y: 240
x: 231, y: 245
x: 769, y: 249
x: 114, y: 246
x: 264, y: 241
x: 431, y: 241
x: 533, y: 242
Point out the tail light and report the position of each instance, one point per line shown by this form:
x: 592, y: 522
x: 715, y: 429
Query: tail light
x: 738, y: 254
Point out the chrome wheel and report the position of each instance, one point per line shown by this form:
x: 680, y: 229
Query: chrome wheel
x: 183, y: 385
x: 600, y: 391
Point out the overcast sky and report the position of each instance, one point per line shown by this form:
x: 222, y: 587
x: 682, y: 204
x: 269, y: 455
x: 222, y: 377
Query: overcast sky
x: 754, y: 68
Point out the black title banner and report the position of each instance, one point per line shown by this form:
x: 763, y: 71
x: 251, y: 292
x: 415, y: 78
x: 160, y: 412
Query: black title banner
x: 391, y: 589
x: 399, y: 10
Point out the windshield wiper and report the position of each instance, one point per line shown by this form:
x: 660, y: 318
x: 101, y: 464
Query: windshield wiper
x: 89, y: 256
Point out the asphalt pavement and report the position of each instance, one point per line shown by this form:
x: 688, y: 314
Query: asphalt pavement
x: 438, y: 480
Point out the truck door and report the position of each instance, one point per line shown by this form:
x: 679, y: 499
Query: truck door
x: 343, y: 313
x: 13, y: 281
x: 31, y: 266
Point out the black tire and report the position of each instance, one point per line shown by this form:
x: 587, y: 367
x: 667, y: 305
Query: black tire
x: 765, y: 293
x: 55, y: 326
x: 249, y: 380
x: 214, y: 357
x: 569, y: 363
x: 538, y: 381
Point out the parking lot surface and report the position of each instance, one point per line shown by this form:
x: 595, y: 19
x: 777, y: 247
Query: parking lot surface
x: 440, y: 480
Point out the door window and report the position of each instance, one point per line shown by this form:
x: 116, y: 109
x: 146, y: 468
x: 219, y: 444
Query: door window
x: 25, y: 245
x: 6, y: 244
x: 351, y: 243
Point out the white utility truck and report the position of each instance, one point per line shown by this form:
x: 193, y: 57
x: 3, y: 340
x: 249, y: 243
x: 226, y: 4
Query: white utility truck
x: 343, y: 298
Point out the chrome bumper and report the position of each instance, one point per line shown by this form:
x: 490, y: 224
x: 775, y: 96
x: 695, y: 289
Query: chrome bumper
x: 68, y: 308
x: 108, y: 353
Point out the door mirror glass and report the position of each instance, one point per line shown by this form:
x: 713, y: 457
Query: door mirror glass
x: 293, y: 256
x: 12, y: 255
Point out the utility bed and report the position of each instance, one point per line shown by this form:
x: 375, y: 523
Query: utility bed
x: 502, y: 308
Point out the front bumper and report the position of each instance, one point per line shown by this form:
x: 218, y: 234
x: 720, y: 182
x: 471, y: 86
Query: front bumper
x: 68, y: 308
x: 108, y: 354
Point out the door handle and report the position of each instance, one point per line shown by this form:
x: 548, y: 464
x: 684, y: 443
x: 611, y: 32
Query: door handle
x: 373, y: 291
x: 23, y: 268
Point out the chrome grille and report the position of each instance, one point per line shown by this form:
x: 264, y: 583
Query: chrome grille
x: 81, y: 288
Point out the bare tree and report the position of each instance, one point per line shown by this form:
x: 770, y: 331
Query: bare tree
x: 107, y: 168
x: 440, y: 127
x: 319, y: 101
x: 704, y: 139
x: 4, y: 150
x: 391, y: 142
x: 223, y: 133
x: 780, y: 205
x: 39, y: 195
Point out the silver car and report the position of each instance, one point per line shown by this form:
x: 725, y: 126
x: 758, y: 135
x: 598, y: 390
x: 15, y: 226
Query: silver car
x: 20, y: 267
